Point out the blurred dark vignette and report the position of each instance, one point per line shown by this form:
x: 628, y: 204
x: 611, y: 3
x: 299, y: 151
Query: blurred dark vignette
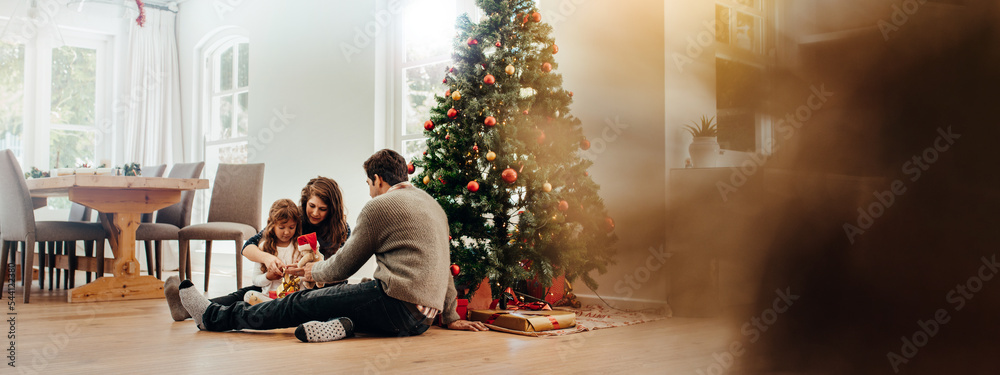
x: 894, y: 98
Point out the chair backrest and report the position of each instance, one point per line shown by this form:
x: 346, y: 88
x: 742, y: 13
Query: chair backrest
x: 179, y: 214
x: 18, y: 222
x: 237, y: 194
x: 152, y: 171
x: 79, y: 212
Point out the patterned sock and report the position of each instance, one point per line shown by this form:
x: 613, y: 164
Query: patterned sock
x: 194, y: 302
x: 316, y: 331
x: 171, y: 291
x: 254, y: 297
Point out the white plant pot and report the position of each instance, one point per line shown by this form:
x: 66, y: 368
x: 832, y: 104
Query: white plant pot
x: 704, y: 152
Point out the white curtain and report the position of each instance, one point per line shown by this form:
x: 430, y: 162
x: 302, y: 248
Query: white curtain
x: 150, y: 103
x: 152, y: 111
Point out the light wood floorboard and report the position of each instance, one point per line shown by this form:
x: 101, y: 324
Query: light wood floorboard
x: 54, y: 337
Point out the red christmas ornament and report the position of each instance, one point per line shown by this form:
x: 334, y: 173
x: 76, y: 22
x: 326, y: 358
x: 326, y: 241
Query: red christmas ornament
x: 525, y: 111
x: 472, y: 42
x: 425, y: 152
x: 563, y: 206
x: 537, y: 17
x: 571, y: 94
x: 472, y: 186
x: 509, y: 175
x: 475, y: 148
x: 585, y: 144
x: 447, y: 137
x: 555, y: 49
x: 490, y: 121
x: 455, y: 270
x: 498, y: 44
x: 452, y: 113
x: 609, y: 224
x: 451, y: 69
x: 445, y: 80
x: 428, y: 125
x: 447, y: 92
x: 541, y: 137
x: 410, y: 168
x: 489, y: 79
x: 585, y: 173
x: 526, y: 264
x: 546, y: 67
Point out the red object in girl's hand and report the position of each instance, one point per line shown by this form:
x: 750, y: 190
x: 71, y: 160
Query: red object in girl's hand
x: 273, y: 294
x: 308, y: 239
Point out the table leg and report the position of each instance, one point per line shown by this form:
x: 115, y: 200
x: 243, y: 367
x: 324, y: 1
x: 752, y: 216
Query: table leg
x: 126, y: 283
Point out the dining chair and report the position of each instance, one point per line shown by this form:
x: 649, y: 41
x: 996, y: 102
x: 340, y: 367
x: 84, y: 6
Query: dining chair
x: 233, y: 214
x: 77, y: 213
x: 152, y: 171
x: 19, y: 225
x: 169, y: 220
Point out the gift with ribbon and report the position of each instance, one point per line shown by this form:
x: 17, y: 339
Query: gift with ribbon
x: 525, y: 320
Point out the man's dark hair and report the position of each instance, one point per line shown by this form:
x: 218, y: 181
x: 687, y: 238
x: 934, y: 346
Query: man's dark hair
x: 388, y: 164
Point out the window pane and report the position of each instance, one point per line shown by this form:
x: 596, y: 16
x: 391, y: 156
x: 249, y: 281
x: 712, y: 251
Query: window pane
x: 428, y: 27
x: 721, y: 24
x: 422, y: 83
x: 223, y: 126
x: 414, y: 148
x: 241, y: 113
x: 232, y: 153
x: 243, y: 64
x: 71, y: 148
x: 747, y: 32
x: 226, y: 69
x: 749, y: 3
x: 74, y: 85
x: 11, y: 97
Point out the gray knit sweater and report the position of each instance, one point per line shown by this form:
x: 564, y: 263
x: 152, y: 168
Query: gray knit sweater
x: 407, y: 231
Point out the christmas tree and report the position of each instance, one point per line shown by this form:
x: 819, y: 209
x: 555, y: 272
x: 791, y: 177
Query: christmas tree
x: 504, y: 158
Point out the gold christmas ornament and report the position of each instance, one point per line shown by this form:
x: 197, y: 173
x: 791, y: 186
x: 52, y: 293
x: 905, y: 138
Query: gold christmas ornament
x: 491, y: 156
x: 456, y: 95
x: 546, y: 187
x: 509, y: 69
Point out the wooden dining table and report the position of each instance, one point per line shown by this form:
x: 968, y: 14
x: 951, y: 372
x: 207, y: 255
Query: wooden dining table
x: 120, y: 201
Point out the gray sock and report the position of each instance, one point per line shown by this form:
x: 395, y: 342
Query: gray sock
x: 194, y: 302
x: 171, y: 291
x: 316, y: 331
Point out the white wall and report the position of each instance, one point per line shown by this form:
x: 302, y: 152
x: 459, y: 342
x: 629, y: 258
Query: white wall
x: 297, y: 69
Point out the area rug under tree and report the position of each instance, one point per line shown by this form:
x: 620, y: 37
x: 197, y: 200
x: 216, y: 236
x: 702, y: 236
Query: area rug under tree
x: 593, y: 317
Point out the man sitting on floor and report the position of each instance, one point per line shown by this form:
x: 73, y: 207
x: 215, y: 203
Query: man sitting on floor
x: 406, y: 230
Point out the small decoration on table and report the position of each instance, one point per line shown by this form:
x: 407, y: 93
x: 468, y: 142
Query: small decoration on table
x: 35, y: 173
x: 132, y: 169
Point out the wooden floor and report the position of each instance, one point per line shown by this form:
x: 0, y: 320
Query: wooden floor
x: 54, y: 337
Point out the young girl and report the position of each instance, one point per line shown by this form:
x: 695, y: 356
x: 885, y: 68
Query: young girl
x: 278, y: 240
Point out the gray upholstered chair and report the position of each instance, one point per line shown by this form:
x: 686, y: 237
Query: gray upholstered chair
x: 18, y: 223
x: 152, y: 171
x: 77, y: 213
x: 169, y: 220
x: 233, y: 215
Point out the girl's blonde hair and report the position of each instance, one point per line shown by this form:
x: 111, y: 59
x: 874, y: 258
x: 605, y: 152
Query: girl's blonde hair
x: 281, y: 210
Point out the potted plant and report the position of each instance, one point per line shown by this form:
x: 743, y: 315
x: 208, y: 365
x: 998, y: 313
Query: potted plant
x: 704, y: 149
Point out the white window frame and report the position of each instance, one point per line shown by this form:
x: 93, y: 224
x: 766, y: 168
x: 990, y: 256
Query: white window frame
x: 395, y: 65
x: 35, y: 137
x: 206, y: 51
x: 760, y: 58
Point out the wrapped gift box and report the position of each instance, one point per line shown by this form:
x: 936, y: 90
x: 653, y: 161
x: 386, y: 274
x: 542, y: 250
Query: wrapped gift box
x: 526, y: 320
x: 462, y: 308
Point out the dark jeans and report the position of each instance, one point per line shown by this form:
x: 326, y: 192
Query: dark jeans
x: 236, y: 296
x: 366, y: 304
